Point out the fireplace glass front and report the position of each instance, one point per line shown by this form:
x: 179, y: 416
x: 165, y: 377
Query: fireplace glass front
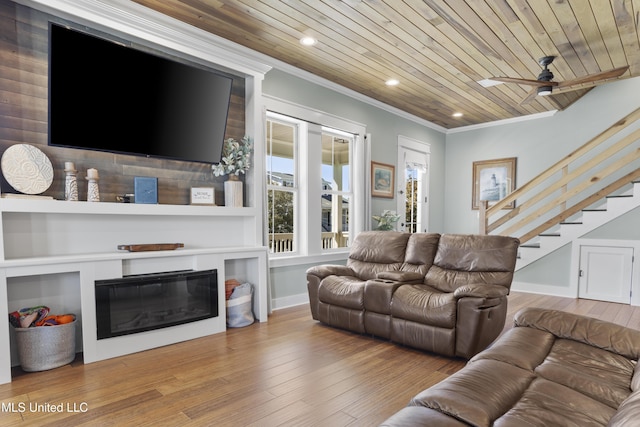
x: 145, y: 302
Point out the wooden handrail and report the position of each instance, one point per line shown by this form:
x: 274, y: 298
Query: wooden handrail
x: 531, y: 193
x: 603, y: 173
x: 564, y: 181
x: 605, y: 135
x: 583, y: 204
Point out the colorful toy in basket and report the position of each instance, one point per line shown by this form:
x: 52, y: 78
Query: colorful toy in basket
x: 38, y: 316
x: 28, y: 317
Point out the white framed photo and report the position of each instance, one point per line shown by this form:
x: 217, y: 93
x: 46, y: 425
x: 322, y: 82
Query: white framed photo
x: 203, y: 196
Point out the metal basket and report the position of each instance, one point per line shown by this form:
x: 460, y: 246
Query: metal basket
x: 46, y: 347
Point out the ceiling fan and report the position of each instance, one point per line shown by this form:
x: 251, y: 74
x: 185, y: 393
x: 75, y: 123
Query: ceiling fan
x: 545, y: 85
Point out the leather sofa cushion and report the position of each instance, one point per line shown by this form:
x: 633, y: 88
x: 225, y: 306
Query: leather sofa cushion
x: 450, y: 280
x: 424, y: 304
x: 343, y: 291
x: 479, y: 393
x: 413, y: 416
x: 597, y: 373
x: 420, y: 253
x: 546, y: 403
x: 373, y: 252
x: 628, y: 413
x: 635, y: 381
x: 476, y: 253
x: 525, y: 348
x: 594, y: 332
x: 369, y: 270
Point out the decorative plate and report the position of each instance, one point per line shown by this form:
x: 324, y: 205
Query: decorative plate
x: 27, y: 169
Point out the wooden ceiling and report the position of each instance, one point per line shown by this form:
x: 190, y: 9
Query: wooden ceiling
x: 437, y: 50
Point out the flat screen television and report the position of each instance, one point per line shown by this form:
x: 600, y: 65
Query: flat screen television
x: 109, y: 97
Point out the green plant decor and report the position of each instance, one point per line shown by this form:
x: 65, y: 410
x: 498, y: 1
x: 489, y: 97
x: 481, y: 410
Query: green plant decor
x: 387, y: 220
x: 236, y: 157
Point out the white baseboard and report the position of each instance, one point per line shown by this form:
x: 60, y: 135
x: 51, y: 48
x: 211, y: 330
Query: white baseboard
x: 537, y: 288
x: 290, y: 301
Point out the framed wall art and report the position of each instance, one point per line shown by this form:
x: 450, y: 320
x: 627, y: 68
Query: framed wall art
x: 203, y: 196
x: 382, y: 180
x: 493, y: 180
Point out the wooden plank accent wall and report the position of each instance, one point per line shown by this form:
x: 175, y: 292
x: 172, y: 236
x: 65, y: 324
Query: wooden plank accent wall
x: 24, y: 111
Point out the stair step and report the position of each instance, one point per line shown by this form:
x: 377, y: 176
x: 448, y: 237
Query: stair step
x: 616, y: 196
x: 531, y: 245
x: 594, y: 210
x: 549, y: 235
x: 571, y: 223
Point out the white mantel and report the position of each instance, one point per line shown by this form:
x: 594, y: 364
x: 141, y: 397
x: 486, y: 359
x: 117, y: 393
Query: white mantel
x: 54, y: 251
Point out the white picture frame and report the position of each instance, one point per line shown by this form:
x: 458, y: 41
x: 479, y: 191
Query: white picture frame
x: 203, y: 196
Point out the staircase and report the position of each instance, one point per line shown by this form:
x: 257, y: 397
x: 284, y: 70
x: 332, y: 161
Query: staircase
x: 587, y: 220
x: 591, y: 186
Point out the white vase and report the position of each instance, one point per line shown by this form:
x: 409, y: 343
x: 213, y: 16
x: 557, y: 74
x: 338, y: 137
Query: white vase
x: 233, y: 192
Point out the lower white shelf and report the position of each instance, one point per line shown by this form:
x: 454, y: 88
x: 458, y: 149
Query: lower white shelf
x: 68, y: 283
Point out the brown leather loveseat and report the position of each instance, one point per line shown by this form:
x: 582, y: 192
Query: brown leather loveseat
x: 441, y: 293
x: 552, y: 369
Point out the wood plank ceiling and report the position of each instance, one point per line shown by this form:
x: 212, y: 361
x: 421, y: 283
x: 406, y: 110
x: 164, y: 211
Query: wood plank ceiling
x: 437, y: 50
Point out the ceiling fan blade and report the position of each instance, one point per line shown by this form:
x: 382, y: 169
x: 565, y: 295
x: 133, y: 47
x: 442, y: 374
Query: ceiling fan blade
x: 536, y: 83
x: 591, y: 78
x: 530, y: 97
x: 591, y: 85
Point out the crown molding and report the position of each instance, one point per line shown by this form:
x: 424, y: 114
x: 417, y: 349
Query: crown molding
x: 135, y: 20
x: 528, y: 117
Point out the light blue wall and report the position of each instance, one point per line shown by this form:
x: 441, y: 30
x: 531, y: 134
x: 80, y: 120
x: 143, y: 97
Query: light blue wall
x: 538, y: 144
x: 383, y: 126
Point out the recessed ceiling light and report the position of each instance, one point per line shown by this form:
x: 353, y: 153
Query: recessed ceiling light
x: 392, y: 82
x: 457, y: 114
x: 308, y: 41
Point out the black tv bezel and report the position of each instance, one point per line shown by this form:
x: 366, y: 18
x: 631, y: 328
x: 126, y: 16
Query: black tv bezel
x: 163, y: 55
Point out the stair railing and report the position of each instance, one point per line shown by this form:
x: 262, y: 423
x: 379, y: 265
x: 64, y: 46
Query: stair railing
x: 544, y: 204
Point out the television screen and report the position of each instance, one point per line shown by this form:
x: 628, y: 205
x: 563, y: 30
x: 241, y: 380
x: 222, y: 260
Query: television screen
x: 109, y: 97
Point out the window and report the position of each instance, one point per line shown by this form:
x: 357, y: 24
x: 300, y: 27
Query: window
x: 310, y: 186
x: 281, y: 184
x: 336, y: 194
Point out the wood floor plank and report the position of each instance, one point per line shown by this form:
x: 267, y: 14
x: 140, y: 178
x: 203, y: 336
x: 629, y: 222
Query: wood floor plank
x: 290, y: 371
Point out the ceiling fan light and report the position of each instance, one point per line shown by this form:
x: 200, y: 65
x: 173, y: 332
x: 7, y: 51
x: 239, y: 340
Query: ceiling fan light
x: 545, y: 90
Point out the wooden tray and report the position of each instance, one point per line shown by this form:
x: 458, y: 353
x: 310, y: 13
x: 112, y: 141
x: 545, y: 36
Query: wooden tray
x: 151, y: 247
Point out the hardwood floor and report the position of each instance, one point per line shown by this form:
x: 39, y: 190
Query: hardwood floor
x: 290, y: 371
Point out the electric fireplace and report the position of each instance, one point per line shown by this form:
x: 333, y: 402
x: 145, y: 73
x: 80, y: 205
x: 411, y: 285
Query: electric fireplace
x: 139, y: 303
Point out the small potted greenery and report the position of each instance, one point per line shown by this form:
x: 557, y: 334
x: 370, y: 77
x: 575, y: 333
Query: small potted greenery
x: 387, y: 220
x: 236, y: 160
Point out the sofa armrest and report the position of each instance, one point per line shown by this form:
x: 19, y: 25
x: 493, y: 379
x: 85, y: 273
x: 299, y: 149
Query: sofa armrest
x: 325, y: 270
x: 411, y: 416
x: 595, y: 332
x: 315, y: 275
x: 401, y: 276
x: 481, y: 291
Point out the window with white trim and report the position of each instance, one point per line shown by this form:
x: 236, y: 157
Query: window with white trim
x: 282, y: 187
x: 310, y: 186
